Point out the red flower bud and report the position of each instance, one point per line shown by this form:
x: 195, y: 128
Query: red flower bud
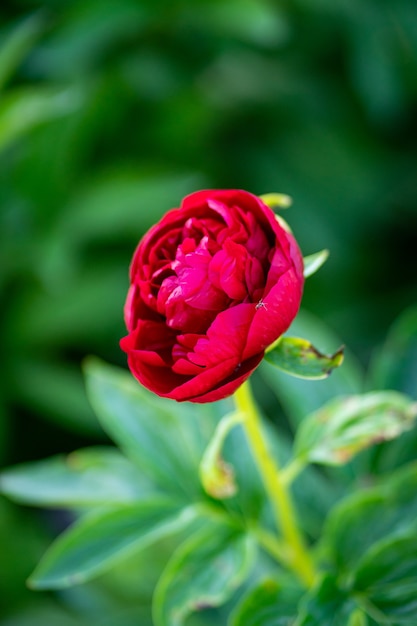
x: 212, y: 285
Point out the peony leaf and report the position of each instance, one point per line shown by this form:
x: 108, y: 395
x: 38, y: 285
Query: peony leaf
x: 163, y: 438
x: 18, y: 44
x: 345, y: 426
x: 204, y: 572
x: 367, y: 518
x: 89, y: 477
x: 313, y: 262
x: 300, y: 358
x: 24, y: 108
x: 271, y: 603
x: 327, y: 605
x: 394, y: 364
x: 387, y: 578
x: 101, y: 539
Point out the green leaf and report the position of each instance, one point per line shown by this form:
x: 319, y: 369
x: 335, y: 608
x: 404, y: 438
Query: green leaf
x: 327, y: 605
x: 387, y: 578
x: 54, y: 388
x: 164, y: 438
x: 367, y: 518
x: 79, y: 40
x: 345, y: 426
x: 204, y: 572
x: 89, y: 477
x: 271, y: 603
x: 394, y: 365
x: 300, y: 358
x: 313, y: 262
x: 101, y: 539
x: 24, y: 108
x: 18, y: 44
x: 45, y: 613
x: 90, y: 213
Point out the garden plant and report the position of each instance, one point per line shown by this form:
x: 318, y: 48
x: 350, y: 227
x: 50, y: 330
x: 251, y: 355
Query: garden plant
x: 238, y: 446
x: 261, y: 526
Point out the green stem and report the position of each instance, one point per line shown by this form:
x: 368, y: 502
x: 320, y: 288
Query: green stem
x: 300, y: 561
x: 290, y: 472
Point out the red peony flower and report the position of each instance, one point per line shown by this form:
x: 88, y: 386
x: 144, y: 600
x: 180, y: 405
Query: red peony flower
x: 212, y: 285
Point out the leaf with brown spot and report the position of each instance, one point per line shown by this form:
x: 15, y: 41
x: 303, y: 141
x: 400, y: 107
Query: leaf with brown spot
x: 345, y: 426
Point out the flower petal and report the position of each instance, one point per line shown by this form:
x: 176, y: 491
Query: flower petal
x: 272, y: 319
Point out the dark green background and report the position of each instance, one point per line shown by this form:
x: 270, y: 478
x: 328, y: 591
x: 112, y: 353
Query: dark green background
x: 111, y: 112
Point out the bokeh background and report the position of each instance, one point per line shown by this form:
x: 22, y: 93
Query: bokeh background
x: 111, y: 112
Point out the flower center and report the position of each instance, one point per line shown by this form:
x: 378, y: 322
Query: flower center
x: 215, y: 267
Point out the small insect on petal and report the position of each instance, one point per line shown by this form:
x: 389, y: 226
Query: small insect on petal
x: 261, y: 305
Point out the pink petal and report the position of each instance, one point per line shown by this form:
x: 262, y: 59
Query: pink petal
x: 270, y: 321
x: 204, y: 382
x: 227, y: 270
x: 227, y: 387
x: 226, y: 338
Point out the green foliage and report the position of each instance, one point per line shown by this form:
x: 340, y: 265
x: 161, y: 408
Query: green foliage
x: 100, y: 540
x: 393, y: 366
x: 203, y: 573
x: 345, y: 426
x: 327, y: 606
x: 98, y: 476
x: 370, y: 543
x: 387, y: 579
x: 23, y: 109
x: 301, y: 397
x: 126, y: 506
x: 18, y: 44
x: 365, y: 519
x: 150, y: 493
x: 109, y: 114
x: 271, y: 603
x: 127, y: 412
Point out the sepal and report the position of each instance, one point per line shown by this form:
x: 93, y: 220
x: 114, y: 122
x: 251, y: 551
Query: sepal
x: 300, y: 358
x: 276, y: 201
x: 313, y: 262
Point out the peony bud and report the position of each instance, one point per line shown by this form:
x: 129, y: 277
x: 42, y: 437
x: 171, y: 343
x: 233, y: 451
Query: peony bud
x: 213, y: 284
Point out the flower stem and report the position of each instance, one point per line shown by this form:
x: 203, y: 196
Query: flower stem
x: 300, y: 561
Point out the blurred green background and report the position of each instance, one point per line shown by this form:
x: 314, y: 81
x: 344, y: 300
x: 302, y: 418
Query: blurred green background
x: 111, y: 112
